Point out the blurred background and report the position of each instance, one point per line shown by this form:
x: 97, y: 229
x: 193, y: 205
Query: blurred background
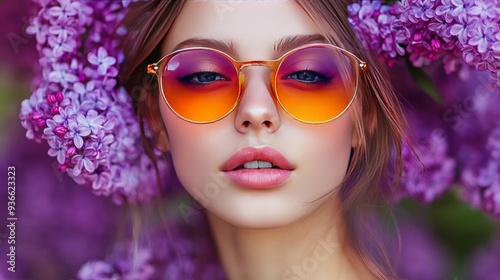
x: 447, y: 214
x: 60, y: 225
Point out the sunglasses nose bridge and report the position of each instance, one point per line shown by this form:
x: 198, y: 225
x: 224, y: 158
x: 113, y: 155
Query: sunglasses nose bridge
x: 255, y: 63
x: 271, y: 64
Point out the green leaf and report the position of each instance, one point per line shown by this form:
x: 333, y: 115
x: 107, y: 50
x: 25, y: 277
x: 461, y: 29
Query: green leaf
x: 425, y: 83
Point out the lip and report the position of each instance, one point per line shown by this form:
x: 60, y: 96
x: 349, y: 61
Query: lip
x: 258, y: 178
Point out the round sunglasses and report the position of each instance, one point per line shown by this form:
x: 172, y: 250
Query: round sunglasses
x: 314, y: 83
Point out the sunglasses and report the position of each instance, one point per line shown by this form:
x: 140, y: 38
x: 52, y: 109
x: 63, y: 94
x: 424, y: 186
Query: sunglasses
x: 314, y: 83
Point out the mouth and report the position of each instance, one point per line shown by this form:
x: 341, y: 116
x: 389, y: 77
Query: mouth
x: 257, y: 158
x: 258, y: 168
x: 258, y: 164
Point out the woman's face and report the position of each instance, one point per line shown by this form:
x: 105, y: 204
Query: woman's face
x: 317, y: 154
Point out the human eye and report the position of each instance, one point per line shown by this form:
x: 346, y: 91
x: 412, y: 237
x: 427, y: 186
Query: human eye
x: 308, y: 76
x: 203, y: 78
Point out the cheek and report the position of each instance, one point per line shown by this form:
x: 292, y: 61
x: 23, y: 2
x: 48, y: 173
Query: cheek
x: 195, y: 150
x: 325, y: 151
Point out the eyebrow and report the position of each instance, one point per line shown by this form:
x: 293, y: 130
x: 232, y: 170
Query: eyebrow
x: 224, y: 46
x: 280, y: 47
x: 291, y: 42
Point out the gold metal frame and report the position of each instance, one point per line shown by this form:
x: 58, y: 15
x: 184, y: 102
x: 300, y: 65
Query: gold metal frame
x: 155, y: 68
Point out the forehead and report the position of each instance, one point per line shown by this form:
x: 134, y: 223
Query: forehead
x: 250, y: 27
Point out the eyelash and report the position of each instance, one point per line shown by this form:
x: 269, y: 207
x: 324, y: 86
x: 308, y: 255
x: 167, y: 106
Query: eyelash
x: 322, y: 78
x: 188, y: 79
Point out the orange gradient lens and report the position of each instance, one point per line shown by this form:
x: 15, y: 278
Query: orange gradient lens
x: 316, y: 84
x: 201, y: 85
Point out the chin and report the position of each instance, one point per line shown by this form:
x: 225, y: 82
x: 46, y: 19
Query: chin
x: 259, y: 211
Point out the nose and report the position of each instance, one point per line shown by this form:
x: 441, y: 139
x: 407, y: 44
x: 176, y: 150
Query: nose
x: 257, y: 110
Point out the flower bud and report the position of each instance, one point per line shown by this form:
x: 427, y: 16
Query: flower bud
x: 35, y: 116
x: 417, y: 37
x: 51, y: 98
x: 40, y: 122
x: 59, y: 96
x: 55, y: 110
x: 62, y: 167
x: 60, y: 130
x: 435, y: 44
x: 71, y: 151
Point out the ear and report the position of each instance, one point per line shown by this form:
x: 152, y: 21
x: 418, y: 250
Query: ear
x: 355, y: 137
x: 162, y: 141
x: 357, y: 133
x: 357, y: 129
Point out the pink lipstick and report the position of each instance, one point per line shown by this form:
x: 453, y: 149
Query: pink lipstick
x: 258, y: 168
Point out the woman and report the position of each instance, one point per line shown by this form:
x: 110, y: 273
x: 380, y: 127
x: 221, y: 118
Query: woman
x: 287, y: 179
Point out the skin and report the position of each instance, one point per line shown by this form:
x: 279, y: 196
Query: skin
x: 274, y: 233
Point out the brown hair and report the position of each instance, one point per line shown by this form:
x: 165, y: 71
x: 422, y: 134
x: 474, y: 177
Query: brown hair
x: 380, y: 123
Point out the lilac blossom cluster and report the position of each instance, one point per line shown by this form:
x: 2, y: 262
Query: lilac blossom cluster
x: 417, y: 243
x: 78, y: 108
x: 483, y: 264
x: 429, y: 156
x: 140, y: 268
x: 428, y: 173
x: 458, y: 144
x: 479, y: 144
x: 464, y: 35
x: 190, y: 256
x: 458, y: 32
x: 482, y: 181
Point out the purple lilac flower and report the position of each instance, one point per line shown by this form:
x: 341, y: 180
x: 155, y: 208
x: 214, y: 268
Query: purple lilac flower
x: 64, y: 10
x: 86, y: 160
x: 39, y: 30
x: 78, y: 106
x: 461, y: 7
x: 484, y: 263
x: 461, y: 28
x: 77, y: 131
x: 97, y: 270
x: 157, y: 257
x: 101, y: 60
x: 465, y: 35
x: 421, y: 257
x: 379, y: 28
x: 58, y: 150
x: 484, y: 9
x: 482, y: 186
x: 473, y: 119
x: 429, y: 163
x: 60, y: 73
x: 482, y: 37
x: 444, y: 11
x: 420, y: 246
x: 429, y: 175
x: 119, y: 269
x: 421, y: 11
x: 92, y: 121
x: 459, y: 32
x: 63, y: 32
